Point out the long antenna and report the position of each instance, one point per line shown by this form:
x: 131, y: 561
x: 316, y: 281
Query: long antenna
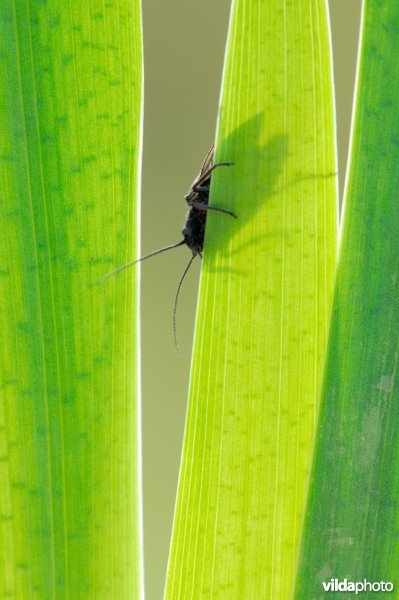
x: 176, y: 300
x: 133, y: 262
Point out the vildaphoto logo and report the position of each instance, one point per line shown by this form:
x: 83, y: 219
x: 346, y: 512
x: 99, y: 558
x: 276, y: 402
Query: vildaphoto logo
x: 345, y: 585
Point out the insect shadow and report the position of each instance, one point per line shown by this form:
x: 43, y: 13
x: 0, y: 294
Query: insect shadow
x: 248, y: 187
x: 256, y: 179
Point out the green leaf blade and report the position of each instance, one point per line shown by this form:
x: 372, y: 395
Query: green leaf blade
x: 71, y: 119
x: 351, y: 517
x: 263, y: 311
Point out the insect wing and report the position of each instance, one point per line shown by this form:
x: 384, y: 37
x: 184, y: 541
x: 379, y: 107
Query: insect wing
x: 208, y: 162
x: 203, y: 176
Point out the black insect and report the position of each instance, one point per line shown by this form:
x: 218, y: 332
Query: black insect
x: 193, y: 230
x: 197, y: 199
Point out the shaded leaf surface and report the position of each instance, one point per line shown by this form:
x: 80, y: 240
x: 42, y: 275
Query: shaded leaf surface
x: 351, y: 519
x: 70, y: 113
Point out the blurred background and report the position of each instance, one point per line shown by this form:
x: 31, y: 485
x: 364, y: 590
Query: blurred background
x: 183, y: 59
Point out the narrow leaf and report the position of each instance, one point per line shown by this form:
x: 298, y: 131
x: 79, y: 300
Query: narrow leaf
x: 70, y: 116
x: 263, y: 310
x: 351, y: 529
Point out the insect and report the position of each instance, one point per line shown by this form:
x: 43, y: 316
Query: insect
x: 193, y: 230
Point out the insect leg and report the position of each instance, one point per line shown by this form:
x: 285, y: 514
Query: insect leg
x: 206, y: 174
x: 205, y: 207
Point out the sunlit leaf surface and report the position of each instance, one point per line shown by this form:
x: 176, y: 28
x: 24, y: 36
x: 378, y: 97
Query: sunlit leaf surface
x: 263, y: 310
